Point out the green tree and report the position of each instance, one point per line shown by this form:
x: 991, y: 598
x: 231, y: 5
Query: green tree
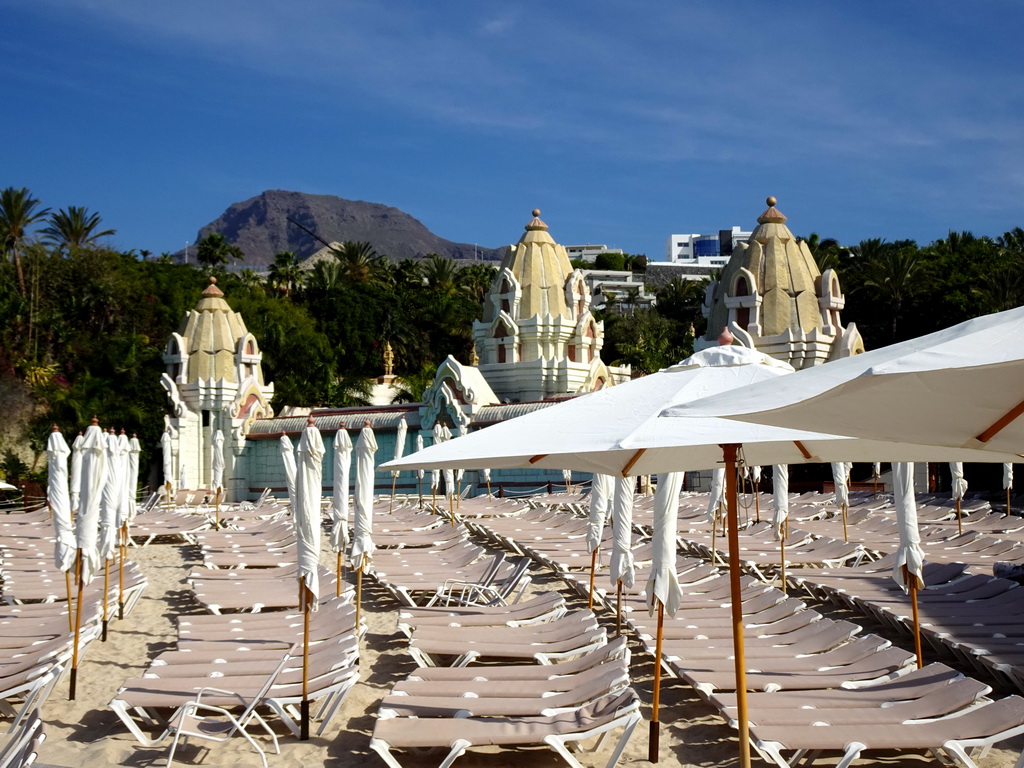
x: 897, y: 274
x: 359, y: 262
x: 286, y: 272
x: 215, y: 251
x: 610, y: 261
x: 411, y: 386
x: 74, y: 229
x: 476, y: 279
x: 18, y: 212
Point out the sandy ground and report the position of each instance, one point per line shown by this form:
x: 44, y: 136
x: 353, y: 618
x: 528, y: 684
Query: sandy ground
x: 87, y: 733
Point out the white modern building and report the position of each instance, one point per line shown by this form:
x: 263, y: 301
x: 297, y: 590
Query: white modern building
x: 708, y: 251
x: 588, y: 253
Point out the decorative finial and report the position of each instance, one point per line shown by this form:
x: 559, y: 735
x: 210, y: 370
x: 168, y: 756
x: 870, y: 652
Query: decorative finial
x: 310, y: 421
x: 771, y: 201
x: 135, y: 434
x: 535, y: 223
x: 772, y: 215
x: 389, y: 359
x: 95, y: 421
x: 725, y: 338
x: 474, y: 358
x: 536, y: 212
x: 123, y: 432
x: 55, y: 428
x: 213, y: 280
x: 366, y: 422
x: 283, y: 433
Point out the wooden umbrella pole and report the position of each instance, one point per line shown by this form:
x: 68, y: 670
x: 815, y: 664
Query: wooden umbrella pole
x: 359, y: 591
x: 846, y: 536
x: 419, y: 491
x: 593, y: 568
x: 874, y: 489
x: 304, y: 707
x: 451, y: 509
x: 72, y: 683
x: 653, y: 743
x: 106, y: 598
x: 739, y: 653
x: 71, y: 602
x: 714, y: 532
x: 337, y: 581
x: 757, y: 503
x: 123, y: 535
x: 959, y: 518
x: 911, y: 582
x: 394, y: 482
x: 488, y: 489
x: 1008, y: 502
x: 618, y: 609
x: 216, y: 510
x: 782, y: 559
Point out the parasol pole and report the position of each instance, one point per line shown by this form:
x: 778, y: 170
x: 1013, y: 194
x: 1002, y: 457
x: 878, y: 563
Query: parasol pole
x: 959, y: 518
x: 216, y: 509
x: 654, y: 740
x: 78, y: 628
x: 729, y: 451
x: 394, y: 483
x: 71, y: 602
x: 359, y: 591
x: 846, y: 536
x: 911, y: 582
x: 167, y: 487
x: 489, y: 488
x: 106, y: 597
x: 306, y: 595
x: 123, y: 536
x: 757, y: 501
x: 618, y: 609
x: 337, y: 581
x: 782, y: 556
x: 593, y: 569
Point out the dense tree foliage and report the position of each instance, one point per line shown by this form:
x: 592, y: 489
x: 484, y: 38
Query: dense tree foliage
x: 82, y: 327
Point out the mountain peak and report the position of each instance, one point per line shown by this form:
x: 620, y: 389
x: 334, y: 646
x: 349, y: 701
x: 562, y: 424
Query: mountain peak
x: 260, y: 227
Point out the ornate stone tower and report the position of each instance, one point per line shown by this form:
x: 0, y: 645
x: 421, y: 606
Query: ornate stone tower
x: 537, y: 338
x: 214, y: 380
x: 773, y: 298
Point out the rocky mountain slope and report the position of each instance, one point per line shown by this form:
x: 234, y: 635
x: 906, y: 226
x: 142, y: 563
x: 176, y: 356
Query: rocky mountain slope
x: 260, y: 227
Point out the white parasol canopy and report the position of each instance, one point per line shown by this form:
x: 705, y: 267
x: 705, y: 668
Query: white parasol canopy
x: 618, y: 430
x: 167, y: 453
x: 76, y: 471
x: 956, y: 469
x: 717, y: 493
x: 110, y: 499
x: 958, y: 387
x: 339, y: 497
x: 132, y: 481
x: 909, y: 553
x: 400, y: 433
x: 59, y: 499
x: 621, y: 567
x: 601, y: 489
x: 663, y: 584
x: 840, y: 471
x: 362, y: 541
x: 288, y: 458
x: 217, y: 461
x: 419, y: 447
x: 306, y: 512
x: 94, y: 462
x: 126, y: 491
x: 780, y: 492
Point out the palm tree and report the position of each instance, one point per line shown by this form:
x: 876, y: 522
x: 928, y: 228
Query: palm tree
x: 18, y: 211
x: 286, y: 273
x: 476, y: 279
x: 214, y: 250
x: 898, y: 274
x: 75, y: 228
x: 359, y: 262
x: 826, y: 252
x: 250, y: 279
x: 411, y: 386
x: 440, y: 275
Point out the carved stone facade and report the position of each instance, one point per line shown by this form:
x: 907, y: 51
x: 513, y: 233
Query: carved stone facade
x: 537, y: 337
x: 214, y: 380
x: 773, y: 298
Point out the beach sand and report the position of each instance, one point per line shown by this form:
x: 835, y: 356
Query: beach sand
x: 87, y: 733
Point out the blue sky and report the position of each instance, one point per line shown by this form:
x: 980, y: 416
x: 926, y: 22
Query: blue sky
x: 624, y: 122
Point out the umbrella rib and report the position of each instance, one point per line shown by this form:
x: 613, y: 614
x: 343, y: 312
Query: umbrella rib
x: 1002, y: 423
x: 803, y: 449
x: 632, y: 461
x: 538, y: 457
